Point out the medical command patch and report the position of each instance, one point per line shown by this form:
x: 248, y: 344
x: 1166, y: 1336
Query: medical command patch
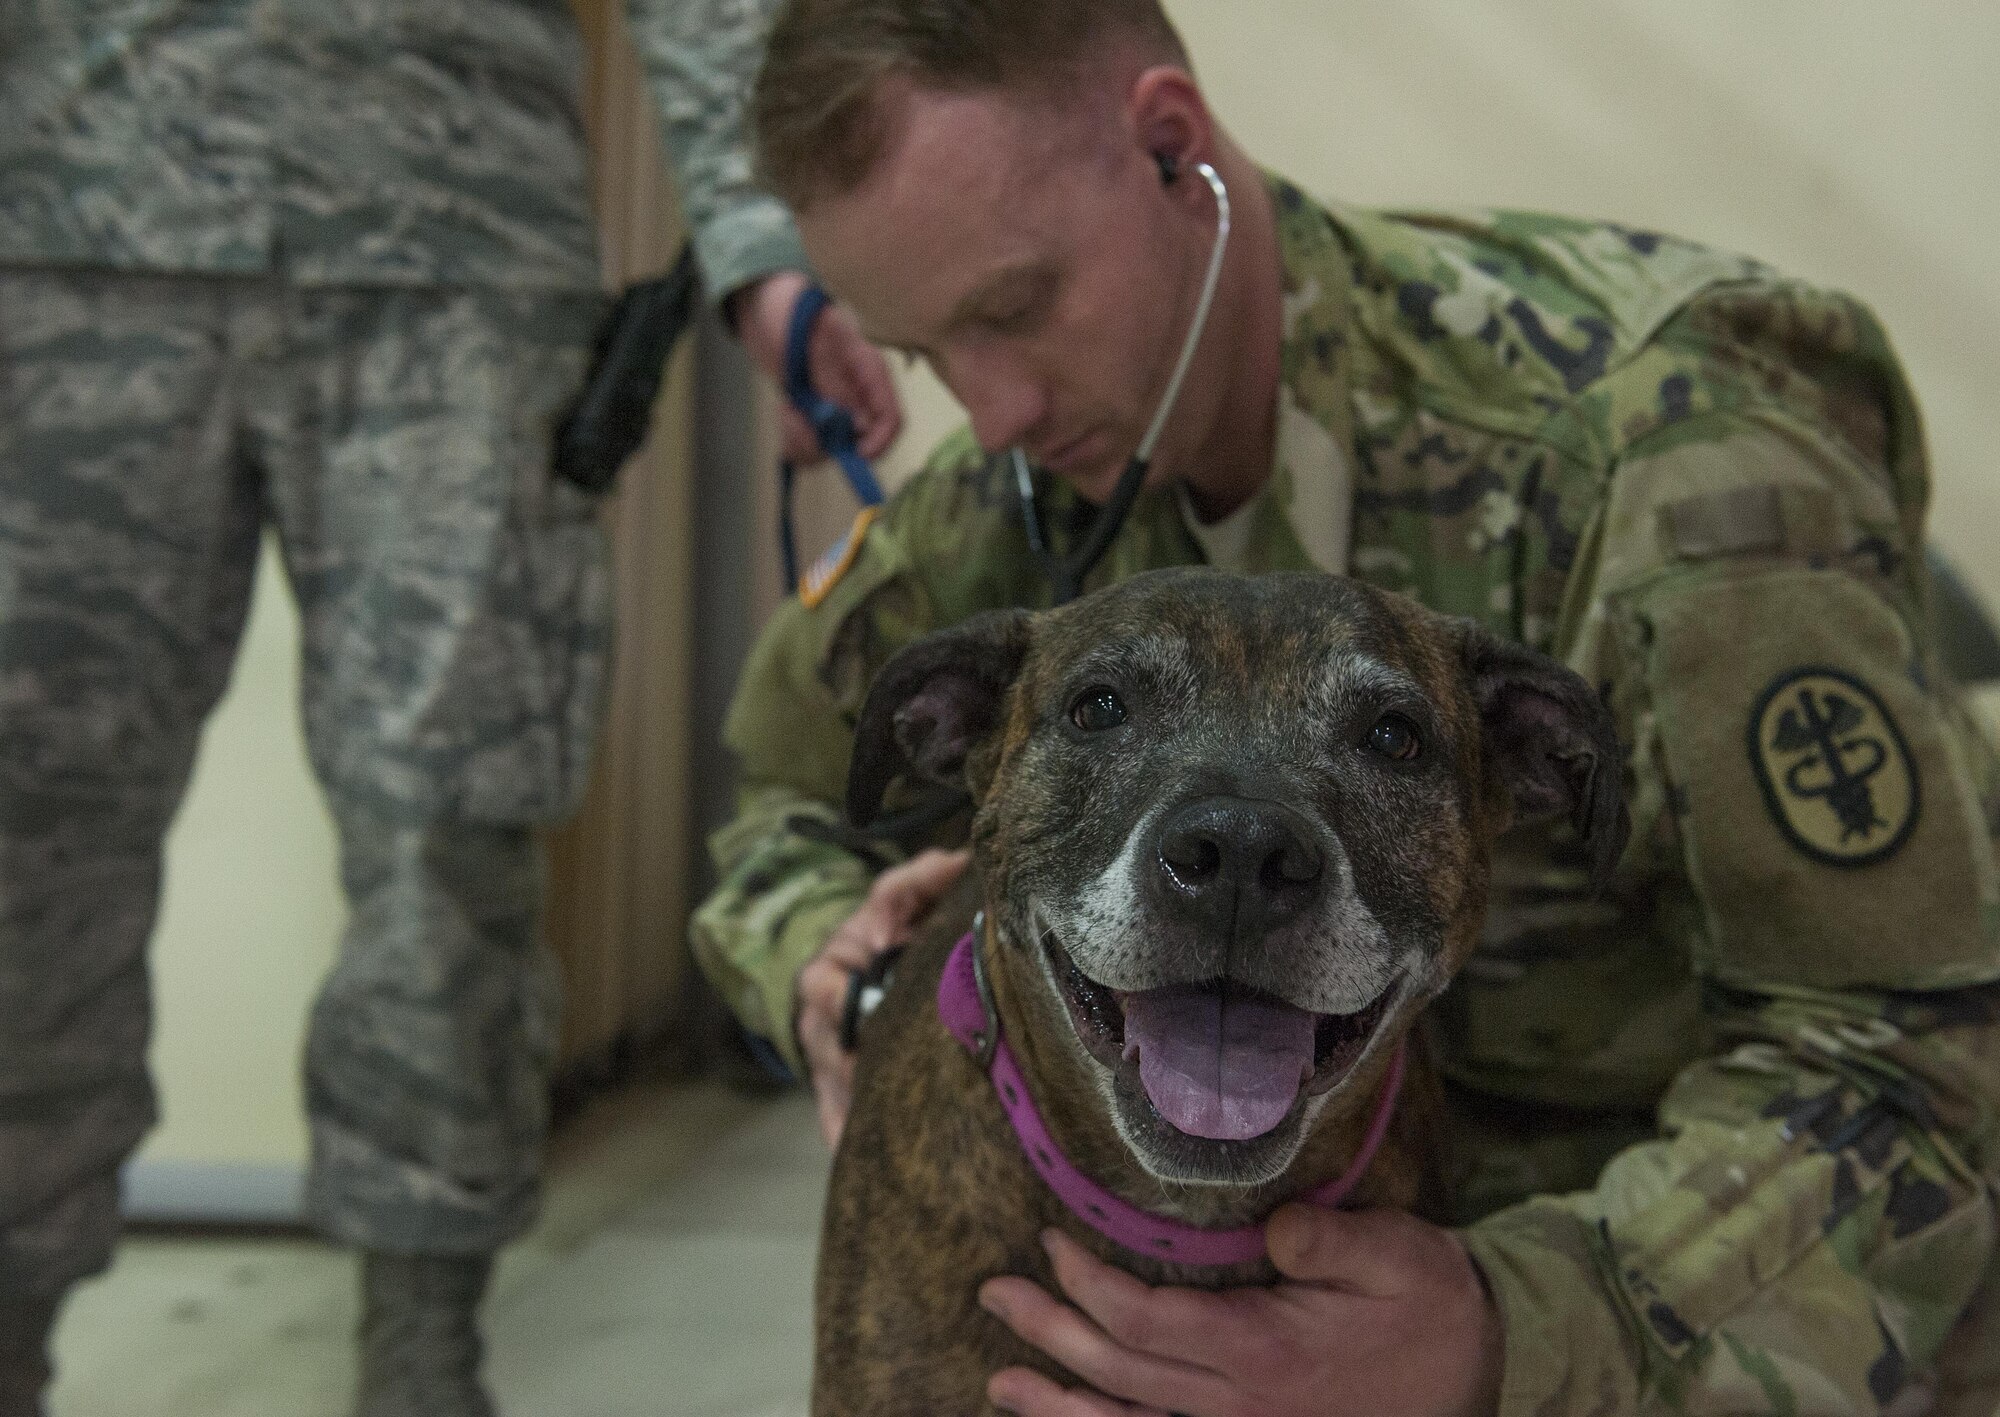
x: 823, y: 575
x: 1836, y: 774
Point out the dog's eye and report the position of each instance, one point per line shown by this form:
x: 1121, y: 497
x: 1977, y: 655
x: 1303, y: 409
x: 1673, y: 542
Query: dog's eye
x: 1096, y: 710
x: 1394, y: 736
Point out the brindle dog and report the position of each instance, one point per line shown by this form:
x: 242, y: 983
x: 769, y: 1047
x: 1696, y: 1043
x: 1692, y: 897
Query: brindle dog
x: 1230, y: 838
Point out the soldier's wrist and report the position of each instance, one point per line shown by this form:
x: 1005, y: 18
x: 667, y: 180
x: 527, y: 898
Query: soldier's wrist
x: 805, y: 935
x: 1558, y: 1332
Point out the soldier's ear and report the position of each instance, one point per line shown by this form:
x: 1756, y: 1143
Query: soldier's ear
x: 1549, y: 743
x: 932, y: 705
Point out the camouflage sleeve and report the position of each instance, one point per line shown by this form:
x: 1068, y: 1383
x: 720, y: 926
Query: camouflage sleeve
x: 1816, y: 1214
x: 789, y: 870
x: 1807, y: 1231
x: 787, y: 878
x: 782, y: 892
x: 700, y: 58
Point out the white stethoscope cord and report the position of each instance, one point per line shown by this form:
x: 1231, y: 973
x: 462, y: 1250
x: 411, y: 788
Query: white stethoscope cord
x: 1200, y: 321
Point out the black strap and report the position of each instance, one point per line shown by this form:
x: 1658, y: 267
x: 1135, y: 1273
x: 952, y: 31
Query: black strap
x: 608, y: 421
x: 865, y: 988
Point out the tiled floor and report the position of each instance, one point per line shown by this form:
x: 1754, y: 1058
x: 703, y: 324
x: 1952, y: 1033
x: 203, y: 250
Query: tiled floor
x: 671, y: 1275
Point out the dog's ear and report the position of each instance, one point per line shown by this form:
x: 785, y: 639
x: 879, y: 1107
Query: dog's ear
x: 932, y: 704
x: 1550, y: 743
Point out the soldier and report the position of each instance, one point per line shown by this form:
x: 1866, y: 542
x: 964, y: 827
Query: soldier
x: 327, y: 267
x: 1728, y: 1132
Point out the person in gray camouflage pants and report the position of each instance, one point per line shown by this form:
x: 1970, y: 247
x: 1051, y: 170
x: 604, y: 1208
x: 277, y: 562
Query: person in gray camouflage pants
x: 324, y: 268
x: 453, y: 602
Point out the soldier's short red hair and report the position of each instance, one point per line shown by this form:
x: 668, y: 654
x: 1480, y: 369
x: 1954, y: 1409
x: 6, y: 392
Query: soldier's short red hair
x: 818, y: 128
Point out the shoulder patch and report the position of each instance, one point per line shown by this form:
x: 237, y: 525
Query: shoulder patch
x: 819, y: 579
x: 1834, y: 768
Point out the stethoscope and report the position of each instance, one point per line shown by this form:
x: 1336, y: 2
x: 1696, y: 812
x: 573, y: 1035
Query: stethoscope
x: 835, y: 429
x: 1066, y: 573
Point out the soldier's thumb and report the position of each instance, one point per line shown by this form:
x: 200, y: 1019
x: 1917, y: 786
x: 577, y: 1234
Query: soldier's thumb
x: 1359, y: 1250
x: 917, y: 884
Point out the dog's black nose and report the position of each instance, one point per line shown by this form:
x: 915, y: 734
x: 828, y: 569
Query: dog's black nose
x: 1238, y: 864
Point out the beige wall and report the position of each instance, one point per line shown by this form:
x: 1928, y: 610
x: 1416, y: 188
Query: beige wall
x: 1853, y: 141
x: 250, y: 917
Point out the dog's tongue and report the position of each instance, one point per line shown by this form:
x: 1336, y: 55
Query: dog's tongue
x: 1228, y: 1069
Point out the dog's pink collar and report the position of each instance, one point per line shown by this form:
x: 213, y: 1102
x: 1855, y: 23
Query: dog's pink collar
x: 966, y: 1008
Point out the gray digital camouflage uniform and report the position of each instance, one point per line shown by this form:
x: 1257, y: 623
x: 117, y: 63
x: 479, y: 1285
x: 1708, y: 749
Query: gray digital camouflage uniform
x: 1727, y: 1137
x: 327, y: 267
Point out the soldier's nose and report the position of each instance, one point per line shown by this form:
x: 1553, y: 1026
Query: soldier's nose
x: 1237, y: 864
x: 1003, y: 399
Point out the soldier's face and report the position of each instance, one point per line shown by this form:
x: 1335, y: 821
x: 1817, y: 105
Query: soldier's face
x: 1029, y: 253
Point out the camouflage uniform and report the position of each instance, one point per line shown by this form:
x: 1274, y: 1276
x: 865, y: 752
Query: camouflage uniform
x: 325, y: 266
x: 1727, y: 1135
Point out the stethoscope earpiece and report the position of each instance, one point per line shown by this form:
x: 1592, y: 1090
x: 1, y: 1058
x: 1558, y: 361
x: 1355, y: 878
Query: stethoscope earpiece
x: 1170, y: 168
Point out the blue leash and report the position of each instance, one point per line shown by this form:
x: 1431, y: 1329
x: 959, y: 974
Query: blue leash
x: 832, y: 425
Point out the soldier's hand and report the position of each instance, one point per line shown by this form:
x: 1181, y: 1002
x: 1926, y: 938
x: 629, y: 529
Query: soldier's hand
x: 897, y: 904
x: 845, y: 367
x: 1377, y: 1314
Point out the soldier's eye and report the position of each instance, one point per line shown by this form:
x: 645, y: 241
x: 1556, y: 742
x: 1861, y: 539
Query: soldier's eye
x: 1097, y: 709
x: 1394, y: 736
